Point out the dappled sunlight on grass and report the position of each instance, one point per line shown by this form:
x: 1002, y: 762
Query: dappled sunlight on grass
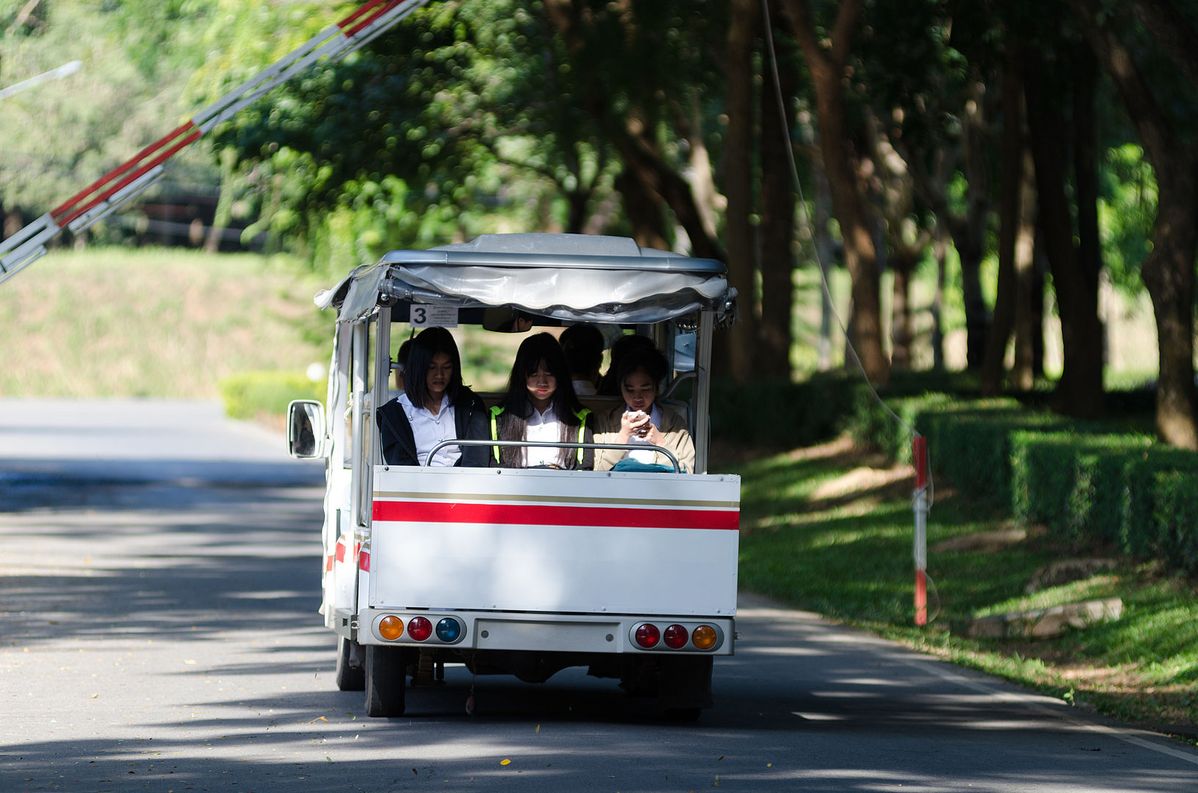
x: 830, y: 529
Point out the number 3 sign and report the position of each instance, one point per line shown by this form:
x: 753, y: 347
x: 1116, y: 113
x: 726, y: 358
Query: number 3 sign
x: 433, y: 316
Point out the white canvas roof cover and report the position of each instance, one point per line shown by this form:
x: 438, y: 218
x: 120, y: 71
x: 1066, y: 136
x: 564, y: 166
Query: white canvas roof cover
x: 574, y: 277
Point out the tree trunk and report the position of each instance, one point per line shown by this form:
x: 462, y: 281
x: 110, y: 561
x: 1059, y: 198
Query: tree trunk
x: 1085, y: 189
x: 644, y: 212
x: 738, y: 187
x: 1039, y: 270
x: 777, y: 225
x: 1029, y: 290
x: 902, y: 265
x: 1010, y: 180
x: 825, y: 249
x: 940, y: 252
x: 1079, y: 392
x: 969, y: 235
x: 1169, y: 275
x: 1168, y: 270
x: 827, y: 68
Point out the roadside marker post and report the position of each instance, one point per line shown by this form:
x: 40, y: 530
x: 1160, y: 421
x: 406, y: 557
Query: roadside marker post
x: 919, y: 457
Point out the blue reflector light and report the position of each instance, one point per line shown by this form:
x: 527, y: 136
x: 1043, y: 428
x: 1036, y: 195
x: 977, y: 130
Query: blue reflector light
x: 449, y: 629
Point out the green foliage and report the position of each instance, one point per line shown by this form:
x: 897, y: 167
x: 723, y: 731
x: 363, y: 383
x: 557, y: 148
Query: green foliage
x: 1091, y: 484
x: 115, y: 322
x: 1126, y: 212
x: 829, y: 556
x: 1073, y: 483
x: 254, y: 395
x: 61, y: 135
x: 780, y: 414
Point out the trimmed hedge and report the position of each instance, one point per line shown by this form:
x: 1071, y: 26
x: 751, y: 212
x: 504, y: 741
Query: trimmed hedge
x: 251, y: 395
x: 1091, y: 484
x: 777, y: 414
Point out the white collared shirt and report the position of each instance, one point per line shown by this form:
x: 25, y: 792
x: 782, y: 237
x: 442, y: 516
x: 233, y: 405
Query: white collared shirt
x: 542, y: 427
x: 429, y: 430
x: 648, y: 455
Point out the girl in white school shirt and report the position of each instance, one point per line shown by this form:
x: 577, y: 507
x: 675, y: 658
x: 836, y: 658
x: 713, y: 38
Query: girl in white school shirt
x: 540, y: 405
x: 434, y: 406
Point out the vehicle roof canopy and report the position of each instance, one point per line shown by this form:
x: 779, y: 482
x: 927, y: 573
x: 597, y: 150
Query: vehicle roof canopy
x: 573, y: 277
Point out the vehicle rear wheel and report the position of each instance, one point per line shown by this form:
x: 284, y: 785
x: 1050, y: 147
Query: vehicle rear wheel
x: 351, y: 676
x: 386, y: 680
x: 685, y: 687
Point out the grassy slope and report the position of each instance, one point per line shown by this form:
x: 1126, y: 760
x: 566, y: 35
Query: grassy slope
x: 824, y: 529
x: 161, y: 323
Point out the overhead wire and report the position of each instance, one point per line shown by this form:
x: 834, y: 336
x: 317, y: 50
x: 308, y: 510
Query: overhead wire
x: 805, y: 219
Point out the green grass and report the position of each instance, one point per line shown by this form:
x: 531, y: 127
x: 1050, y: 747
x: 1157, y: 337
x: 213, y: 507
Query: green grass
x: 825, y: 530
x: 109, y: 322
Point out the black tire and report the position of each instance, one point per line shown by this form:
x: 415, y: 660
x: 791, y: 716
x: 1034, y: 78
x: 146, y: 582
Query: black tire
x: 685, y: 686
x: 351, y: 676
x: 682, y: 714
x: 386, y: 680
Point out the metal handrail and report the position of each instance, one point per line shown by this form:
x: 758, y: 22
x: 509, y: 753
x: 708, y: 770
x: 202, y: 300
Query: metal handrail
x: 557, y: 445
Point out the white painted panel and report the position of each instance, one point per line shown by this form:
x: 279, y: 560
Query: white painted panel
x: 556, y: 568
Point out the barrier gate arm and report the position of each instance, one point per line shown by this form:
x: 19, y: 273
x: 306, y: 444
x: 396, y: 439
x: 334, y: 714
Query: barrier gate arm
x: 118, y: 186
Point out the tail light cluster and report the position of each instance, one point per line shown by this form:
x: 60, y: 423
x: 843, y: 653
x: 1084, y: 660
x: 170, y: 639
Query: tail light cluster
x: 441, y: 630
x: 696, y: 637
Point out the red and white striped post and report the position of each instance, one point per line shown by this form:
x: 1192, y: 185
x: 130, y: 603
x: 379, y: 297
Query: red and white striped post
x: 919, y: 457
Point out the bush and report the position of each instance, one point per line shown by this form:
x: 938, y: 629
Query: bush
x: 1157, y: 517
x: 1175, y: 514
x: 1092, y: 484
x: 777, y: 414
x: 253, y: 395
x: 1072, y: 482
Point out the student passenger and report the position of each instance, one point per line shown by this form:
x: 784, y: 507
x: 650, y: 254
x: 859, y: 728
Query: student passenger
x: 433, y: 407
x: 609, y: 384
x: 583, y: 345
x: 401, y: 363
x: 540, y: 405
x: 641, y: 420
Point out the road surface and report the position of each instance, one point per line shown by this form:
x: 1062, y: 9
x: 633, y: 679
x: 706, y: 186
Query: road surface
x: 159, y: 580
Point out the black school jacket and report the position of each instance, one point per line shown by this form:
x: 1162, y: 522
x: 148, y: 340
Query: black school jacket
x: 470, y: 423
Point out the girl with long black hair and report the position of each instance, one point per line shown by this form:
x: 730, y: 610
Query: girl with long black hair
x: 435, y: 406
x: 540, y: 405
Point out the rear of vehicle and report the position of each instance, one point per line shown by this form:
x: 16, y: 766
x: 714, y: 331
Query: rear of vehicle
x: 527, y: 571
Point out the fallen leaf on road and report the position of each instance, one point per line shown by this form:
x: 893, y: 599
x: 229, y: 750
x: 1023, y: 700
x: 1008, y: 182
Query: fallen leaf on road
x: 505, y: 761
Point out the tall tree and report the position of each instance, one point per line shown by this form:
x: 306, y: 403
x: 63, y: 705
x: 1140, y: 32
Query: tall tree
x: 827, y: 62
x: 738, y: 185
x: 1168, y: 270
x: 777, y: 209
x: 1079, y: 391
x: 1010, y: 216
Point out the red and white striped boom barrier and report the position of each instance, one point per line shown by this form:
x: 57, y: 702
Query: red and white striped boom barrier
x: 919, y: 457
x: 130, y: 179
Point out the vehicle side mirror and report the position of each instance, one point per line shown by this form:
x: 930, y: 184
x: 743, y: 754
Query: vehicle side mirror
x: 305, y: 429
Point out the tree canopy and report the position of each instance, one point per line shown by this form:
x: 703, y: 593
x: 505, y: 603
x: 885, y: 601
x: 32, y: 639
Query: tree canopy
x: 1025, y: 152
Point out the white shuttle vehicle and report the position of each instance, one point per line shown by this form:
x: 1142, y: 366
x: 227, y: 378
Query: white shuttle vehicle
x: 524, y: 571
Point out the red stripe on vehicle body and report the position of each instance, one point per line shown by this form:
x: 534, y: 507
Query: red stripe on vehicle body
x: 551, y: 515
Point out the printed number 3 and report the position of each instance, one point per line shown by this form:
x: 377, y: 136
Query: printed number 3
x: 419, y: 315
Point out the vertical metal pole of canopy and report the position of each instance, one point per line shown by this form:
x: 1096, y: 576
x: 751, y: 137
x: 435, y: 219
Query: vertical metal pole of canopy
x: 382, y: 379
x: 123, y: 183
x: 919, y: 456
x: 703, y: 389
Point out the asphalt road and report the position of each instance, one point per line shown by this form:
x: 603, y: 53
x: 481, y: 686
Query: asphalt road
x: 159, y: 580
